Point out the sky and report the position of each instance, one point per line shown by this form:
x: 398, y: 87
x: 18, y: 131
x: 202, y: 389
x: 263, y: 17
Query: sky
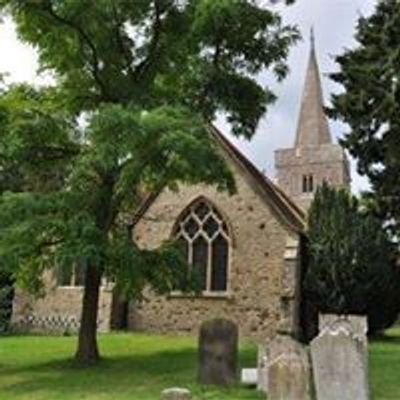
x: 334, y: 23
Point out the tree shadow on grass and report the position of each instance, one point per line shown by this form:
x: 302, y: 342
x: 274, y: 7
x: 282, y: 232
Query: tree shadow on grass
x: 385, y: 339
x: 123, y: 372
x: 133, y: 375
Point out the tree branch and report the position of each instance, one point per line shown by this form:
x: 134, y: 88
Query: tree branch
x: 157, y: 29
x: 85, y: 39
x: 124, y: 51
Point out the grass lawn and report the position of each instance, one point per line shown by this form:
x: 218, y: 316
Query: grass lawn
x: 135, y: 367
x: 138, y: 367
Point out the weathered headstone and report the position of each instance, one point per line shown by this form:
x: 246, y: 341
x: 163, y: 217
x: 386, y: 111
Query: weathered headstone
x: 356, y: 324
x: 176, y: 394
x: 289, y: 371
x: 217, y: 352
x: 340, y: 359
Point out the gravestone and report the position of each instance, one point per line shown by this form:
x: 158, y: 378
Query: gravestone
x: 356, y: 324
x: 217, y: 352
x: 176, y: 394
x: 289, y: 371
x: 340, y: 358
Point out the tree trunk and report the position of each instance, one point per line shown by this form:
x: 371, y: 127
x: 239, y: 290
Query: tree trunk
x: 87, y: 352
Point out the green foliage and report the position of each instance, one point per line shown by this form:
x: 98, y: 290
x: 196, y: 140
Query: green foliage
x: 136, y: 85
x: 370, y: 105
x: 34, y: 139
x: 145, y: 77
x: 352, y: 265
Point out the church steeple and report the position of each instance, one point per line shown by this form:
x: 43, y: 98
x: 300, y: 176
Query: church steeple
x: 315, y: 158
x: 312, y: 127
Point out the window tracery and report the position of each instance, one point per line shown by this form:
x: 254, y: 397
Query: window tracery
x: 204, y: 236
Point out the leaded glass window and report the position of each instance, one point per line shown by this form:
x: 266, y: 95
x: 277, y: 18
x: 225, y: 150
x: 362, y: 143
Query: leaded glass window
x: 205, y: 241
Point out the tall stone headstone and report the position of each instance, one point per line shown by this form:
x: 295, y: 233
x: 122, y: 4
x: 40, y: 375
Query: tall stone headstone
x: 218, y: 352
x: 340, y: 358
x: 289, y: 371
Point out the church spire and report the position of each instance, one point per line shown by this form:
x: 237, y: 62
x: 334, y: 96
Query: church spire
x: 312, y: 128
x: 312, y: 40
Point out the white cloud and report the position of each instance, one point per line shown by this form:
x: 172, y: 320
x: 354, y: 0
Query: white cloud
x: 18, y: 61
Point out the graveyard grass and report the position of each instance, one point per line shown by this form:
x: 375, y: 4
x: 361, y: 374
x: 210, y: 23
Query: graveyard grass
x: 138, y: 367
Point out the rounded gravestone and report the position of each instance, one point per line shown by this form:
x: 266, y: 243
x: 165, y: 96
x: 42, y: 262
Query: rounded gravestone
x: 217, y: 352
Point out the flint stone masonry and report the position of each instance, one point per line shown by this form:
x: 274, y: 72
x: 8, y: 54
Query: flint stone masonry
x: 340, y: 359
x: 257, y: 265
x: 289, y: 370
x: 176, y: 394
x: 290, y: 290
x: 59, y: 311
x: 217, y: 353
x: 326, y: 162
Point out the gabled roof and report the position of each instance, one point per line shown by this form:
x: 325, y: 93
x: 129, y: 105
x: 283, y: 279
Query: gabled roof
x: 283, y: 206
x: 280, y: 203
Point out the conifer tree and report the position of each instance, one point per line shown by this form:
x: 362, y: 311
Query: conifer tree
x: 370, y: 105
x: 352, y: 261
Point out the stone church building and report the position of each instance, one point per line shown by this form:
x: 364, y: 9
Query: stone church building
x: 247, y: 247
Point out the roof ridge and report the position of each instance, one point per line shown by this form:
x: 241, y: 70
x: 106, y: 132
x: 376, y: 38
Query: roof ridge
x: 280, y: 202
x: 293, y: 215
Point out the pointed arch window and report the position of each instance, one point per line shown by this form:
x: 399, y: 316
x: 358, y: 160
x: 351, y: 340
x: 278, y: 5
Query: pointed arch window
x: 205, y: 240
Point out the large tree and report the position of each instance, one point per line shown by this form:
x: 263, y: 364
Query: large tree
x: 136, y: 85
x: 370, y: 105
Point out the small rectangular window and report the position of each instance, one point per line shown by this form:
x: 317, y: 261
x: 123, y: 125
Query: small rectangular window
x: 305, y: 184
x: 308, y: 183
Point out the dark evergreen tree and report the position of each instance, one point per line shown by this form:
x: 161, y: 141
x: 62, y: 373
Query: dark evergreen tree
x: 352, y: 261
x: 146, y: 77
x: 370, y: 105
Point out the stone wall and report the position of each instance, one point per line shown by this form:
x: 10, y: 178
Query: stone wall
x: 325, y: 162
x: 256, y: 272
x: 58, y: 311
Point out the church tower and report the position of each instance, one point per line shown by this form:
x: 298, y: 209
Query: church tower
x: 314, y: 157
